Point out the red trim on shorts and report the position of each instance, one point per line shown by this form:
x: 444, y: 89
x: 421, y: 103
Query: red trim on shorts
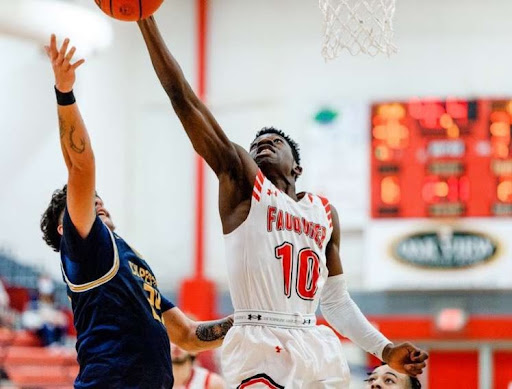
x: 260, y: 379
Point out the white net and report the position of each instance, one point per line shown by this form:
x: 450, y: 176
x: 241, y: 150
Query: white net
x: 360, y: 26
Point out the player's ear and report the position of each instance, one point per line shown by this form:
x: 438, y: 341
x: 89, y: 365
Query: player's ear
x: 60, y: 229
x: 297, y: 170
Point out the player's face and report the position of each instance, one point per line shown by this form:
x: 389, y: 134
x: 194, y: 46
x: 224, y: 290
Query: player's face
x: 103, y: 214
x: 385, y: 377
x: 181, y: 365
x: 177, y: 353
x: 272, y: 150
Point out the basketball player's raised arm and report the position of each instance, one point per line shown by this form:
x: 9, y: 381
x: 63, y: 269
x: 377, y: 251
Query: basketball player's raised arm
x: 343, y: 315
x: 192, y: 335
x: 74, y: 139
x: 207, y: 137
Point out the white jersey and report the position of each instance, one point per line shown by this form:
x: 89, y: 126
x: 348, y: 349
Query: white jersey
x: 277, y: 270
x: 276, y: 257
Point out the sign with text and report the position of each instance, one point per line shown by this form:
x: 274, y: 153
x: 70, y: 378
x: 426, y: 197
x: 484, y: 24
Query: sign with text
x: 430, y: 254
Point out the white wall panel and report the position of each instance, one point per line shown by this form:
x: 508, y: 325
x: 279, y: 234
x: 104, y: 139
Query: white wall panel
x: 265, y: 69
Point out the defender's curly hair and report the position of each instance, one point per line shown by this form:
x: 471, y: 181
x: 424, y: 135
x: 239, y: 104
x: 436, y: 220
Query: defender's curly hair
x: 50, y: 218
x: 293, y: 145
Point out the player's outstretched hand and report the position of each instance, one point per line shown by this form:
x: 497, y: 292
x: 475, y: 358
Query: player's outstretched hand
x: 61, y: 63
x: 406, y: 358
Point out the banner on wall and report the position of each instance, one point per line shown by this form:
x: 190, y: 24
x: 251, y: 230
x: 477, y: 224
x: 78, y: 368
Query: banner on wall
x: 433, y: 254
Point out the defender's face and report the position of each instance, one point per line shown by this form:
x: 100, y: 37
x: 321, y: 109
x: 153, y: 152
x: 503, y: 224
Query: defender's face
x: 385, y: 377
x: 271, y: 149
x: 103, y: 214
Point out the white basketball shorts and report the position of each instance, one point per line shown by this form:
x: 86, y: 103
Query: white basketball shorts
x: 268, y: 356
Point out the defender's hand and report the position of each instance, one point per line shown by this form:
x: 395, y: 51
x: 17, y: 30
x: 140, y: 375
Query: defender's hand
x: 405, y: 358
x: 63, y: 69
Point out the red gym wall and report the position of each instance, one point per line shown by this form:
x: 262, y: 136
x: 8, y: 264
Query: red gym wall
x: 502, y: 369
x: 449, y: 368
x: 453, y: 369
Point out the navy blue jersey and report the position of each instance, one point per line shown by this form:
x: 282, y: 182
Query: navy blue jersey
x: 121, y: 339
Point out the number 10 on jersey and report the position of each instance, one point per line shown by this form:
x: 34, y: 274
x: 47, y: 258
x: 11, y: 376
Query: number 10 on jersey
x: 306, y: 268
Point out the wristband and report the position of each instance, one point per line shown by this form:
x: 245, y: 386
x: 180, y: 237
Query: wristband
x: 64, y: 99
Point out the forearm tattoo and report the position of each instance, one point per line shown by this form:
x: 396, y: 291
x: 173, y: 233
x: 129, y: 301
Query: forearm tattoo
x: 214, y: 330
x: 77, y: 149
x: 62, y: 128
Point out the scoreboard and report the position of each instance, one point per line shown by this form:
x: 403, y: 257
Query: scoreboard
x: 441, y: 158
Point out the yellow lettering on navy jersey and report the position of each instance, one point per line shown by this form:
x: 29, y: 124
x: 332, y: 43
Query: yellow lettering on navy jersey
x: 144, y: 274
x: 149, y: 285
x: 155, y: 301
x: 134, y: 268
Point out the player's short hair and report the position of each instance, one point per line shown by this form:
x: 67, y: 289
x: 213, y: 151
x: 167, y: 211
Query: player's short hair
x: 415, y: 383
x: 293, y: 145
x: 50, y: 218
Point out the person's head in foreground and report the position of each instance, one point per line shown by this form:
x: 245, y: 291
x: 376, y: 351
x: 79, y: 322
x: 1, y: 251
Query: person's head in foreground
x: 187, y: 374
x: 384, y: 377
x: 182, y: 363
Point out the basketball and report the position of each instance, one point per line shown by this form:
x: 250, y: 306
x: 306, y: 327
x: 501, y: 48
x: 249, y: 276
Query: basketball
x: 129, y: 10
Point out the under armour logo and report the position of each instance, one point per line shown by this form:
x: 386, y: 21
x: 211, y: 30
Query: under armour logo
x: 271, y: 192
x: 250, y: 317
x: 278, y: 349
x: 306, y: 321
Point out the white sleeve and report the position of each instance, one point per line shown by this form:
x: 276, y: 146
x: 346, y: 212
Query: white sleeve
x: 344, y: 316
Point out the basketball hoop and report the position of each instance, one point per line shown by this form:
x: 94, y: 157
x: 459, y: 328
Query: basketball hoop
x: 360, y: 26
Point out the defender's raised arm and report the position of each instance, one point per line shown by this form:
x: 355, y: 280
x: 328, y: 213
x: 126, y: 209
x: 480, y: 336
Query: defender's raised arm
x: 74, y: 139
